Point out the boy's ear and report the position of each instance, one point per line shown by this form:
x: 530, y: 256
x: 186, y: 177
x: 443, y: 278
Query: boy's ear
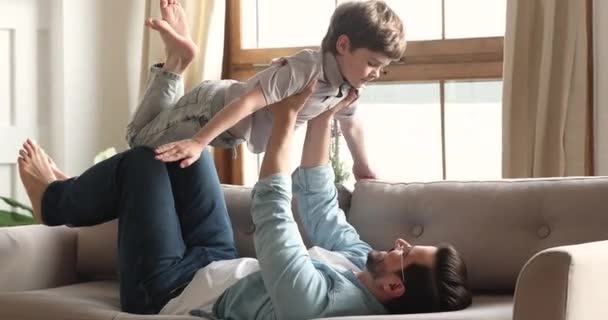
x: 343, y: 44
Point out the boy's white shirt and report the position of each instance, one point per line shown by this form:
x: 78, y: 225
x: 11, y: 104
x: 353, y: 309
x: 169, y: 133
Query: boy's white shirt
x: 211, y: 281
x: 280, y: 81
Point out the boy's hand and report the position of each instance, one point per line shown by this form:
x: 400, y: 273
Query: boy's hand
x: 187, y: 150
x: 363, y: 171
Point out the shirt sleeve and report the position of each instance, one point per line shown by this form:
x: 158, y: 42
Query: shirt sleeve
x: 287, y: 270
x: 280, y: 81
x: 323, y: 220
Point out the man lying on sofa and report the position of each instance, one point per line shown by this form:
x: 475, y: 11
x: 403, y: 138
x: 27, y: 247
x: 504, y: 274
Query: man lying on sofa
x: 177, y: 254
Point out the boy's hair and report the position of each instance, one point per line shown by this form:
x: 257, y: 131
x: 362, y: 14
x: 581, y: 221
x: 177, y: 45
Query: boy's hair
x: 442, y: 288
x: 370, y: 24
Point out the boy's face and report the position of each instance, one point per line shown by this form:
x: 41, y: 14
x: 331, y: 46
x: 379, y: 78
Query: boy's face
x: 359, y: 66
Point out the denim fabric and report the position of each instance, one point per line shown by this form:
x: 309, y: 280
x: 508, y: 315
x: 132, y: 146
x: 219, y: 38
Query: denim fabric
x: 172, y: 221
x: 165, y: 114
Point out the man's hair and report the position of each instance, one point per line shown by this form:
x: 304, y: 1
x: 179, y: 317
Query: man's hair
x: 442, y: 288
x: 370, y: 24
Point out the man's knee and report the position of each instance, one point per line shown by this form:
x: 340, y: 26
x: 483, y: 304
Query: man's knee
x: 140, y: 159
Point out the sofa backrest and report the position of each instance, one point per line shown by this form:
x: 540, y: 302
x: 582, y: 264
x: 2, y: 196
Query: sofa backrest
x: 496, y: 225
x: 97, y: 252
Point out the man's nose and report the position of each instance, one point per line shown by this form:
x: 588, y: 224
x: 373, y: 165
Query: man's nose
x: 402, y: 243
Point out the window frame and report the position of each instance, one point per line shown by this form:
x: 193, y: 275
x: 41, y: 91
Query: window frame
x: 426, y: 60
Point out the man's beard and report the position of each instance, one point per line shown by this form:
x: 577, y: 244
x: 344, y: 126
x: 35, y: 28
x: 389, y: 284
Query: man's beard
x: 374, y: 263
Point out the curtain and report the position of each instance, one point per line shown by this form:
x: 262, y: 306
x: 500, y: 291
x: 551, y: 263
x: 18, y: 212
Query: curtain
x: 600, y: 53
x: 547, y: 102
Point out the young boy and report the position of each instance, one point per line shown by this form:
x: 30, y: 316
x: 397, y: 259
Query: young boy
x: 363, y: 38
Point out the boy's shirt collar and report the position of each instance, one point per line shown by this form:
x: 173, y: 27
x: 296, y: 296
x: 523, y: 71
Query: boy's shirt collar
x: 332, y: 74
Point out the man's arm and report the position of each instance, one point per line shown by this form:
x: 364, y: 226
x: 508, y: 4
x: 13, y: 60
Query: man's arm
x: 317, y: 197
x: 287, y: 270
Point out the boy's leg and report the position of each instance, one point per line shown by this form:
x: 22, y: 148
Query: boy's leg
x: 162, y: 91
x: 165, y: 83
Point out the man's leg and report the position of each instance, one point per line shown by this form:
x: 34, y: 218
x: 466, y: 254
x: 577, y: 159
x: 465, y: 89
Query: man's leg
x: 164, y: 240
x: 154, y: 260
x: 201, y: 207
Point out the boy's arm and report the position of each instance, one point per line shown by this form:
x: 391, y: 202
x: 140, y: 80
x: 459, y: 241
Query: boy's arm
x: 189, y: 150
x: 353, y: 131
x: 230, y: 115
x: 317, y: 197
x: 287, y: 270
x: 269, y: 86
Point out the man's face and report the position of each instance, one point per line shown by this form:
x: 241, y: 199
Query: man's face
x: 360, y: 66
x: 388, y: 263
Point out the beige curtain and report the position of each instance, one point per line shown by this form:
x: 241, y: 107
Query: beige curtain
x: 600, y: 43
x: 547, y: 127
x: 207, y: 25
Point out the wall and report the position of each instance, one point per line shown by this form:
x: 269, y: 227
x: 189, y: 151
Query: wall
x: 96, y: 65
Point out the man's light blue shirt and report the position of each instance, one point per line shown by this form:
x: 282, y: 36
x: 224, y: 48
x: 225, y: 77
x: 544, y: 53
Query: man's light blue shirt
x: 291, y: 285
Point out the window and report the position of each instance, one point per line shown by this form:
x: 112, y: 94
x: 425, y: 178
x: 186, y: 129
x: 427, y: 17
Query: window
x: 435, y: 115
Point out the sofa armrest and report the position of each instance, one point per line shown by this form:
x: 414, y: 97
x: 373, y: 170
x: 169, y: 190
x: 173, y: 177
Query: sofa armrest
x: 37, y: 257
x: 564, y: 283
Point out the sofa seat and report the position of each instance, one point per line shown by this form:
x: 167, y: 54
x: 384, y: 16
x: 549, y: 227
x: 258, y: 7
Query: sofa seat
x: 82, y: 301
x: 484, y: 307
x: 100, y: 300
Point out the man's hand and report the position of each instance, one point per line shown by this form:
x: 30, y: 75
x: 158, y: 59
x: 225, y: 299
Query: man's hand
x: 363, y: 171
x: 189, y: 150
x: 352, y: 96
x: 290, y: 106
x: 278, y: 150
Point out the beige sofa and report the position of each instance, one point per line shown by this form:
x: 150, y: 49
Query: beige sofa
x: 499, y: 226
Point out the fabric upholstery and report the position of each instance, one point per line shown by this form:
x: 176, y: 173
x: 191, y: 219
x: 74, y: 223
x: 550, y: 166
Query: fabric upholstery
x: 35, y: 257
x: 564, y: 283
x: 496, y: 225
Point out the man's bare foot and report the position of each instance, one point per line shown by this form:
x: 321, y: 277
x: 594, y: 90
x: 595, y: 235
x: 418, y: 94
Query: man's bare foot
x: 58, y: 173
x: 173, y: 29
x: 36, y: 174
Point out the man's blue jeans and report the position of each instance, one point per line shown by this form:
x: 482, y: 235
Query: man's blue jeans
x: 172, y: 221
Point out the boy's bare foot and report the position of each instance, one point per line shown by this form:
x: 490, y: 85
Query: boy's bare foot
x: 36, y: 174
x: 173, y: 12
x: 173, y: 29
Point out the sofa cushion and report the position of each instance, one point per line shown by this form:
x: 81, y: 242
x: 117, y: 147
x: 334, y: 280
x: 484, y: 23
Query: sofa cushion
x: 34, y: 257
x: 483, y: 308
x: 97, y: 250
x: 97, y: 300
x: 93, y: 300
x: 496, y: 225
